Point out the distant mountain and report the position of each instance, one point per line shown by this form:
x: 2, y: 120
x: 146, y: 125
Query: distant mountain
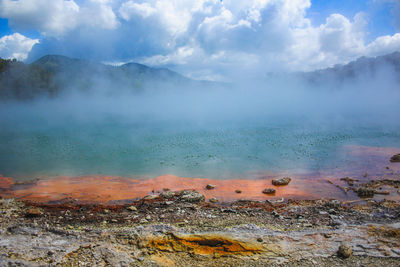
x: 52, y: 75
x: 363, y: 68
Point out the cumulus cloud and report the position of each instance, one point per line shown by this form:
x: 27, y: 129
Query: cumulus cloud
x: 204, y: 38
x: 16, y: 46
x: 57, y: 17
x: 49, y: 17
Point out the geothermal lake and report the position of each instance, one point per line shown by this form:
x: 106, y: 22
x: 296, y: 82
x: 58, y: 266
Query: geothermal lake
x: 40, y: 149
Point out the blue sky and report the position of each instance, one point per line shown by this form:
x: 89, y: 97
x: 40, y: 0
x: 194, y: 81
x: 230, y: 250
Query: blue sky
x: 379, y: 13
x: 209, y: 39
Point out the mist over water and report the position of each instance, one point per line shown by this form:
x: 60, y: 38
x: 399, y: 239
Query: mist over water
x: 234, y: 130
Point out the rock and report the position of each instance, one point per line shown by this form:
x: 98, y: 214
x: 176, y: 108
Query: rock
x: 148, y: 217
x: 132, y: 208
x: 259, y: 239
x: 275, y: 214
x: 349, y: 181
x: 327, y: 235
x: 237, y: 191
x: 213, y: 200
x: 143, y: 220
x: 269, y: 191
x: 380, y: 192
x: 150, y: 197
x: 167, y: 194
x: 395, y: 158
x: 191, y: 196
x: 210, y: 186
x: 344, y: 251
x: 169, y: 202
x: 281, y: 181
x: 34, y: 212
x: 365, y: 192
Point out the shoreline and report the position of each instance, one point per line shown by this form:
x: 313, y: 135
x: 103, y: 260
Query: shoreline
x: 110, y: 189
x: 177, y: 221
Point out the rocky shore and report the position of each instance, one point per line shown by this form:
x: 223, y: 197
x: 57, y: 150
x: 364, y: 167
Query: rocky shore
x: 183, y: 229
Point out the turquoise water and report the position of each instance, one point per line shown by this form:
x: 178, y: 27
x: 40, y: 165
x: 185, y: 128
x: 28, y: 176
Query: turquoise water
x: 30, y: 148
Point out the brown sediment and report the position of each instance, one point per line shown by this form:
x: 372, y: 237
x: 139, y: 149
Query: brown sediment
x: 103, y: 189
x: 204, y: 244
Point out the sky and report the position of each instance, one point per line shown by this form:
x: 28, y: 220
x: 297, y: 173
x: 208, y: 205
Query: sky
x: 202, y: 39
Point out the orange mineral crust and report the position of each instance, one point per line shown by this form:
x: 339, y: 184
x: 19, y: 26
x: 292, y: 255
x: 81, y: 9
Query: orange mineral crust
x: 103, y: 189
x: 5, y: 182
x: 364, y: 164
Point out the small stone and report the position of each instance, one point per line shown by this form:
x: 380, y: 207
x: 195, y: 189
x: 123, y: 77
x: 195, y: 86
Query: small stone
x: 380, y: 192
x: 106, y: 211
x: 143, y: 220
x: 210, y: 186
x: 365, y: 174
x: 395, y: 158
x: 169, y: 202
x: 344, y: 251
x: 269, y: 191
x: 148, y: 217
x: 275, y: 214
x: 114, y: 220
x: 167, y: 194
x: 213, y: 200
x: 191, y: 196
x: 132, y: 208
x: 281, y: 181
x: 237, y: 191
x: 150, y: 197
x: 259, y: 239
x: 365, y: 192
x: 34, y: 212
x: 327, y: 235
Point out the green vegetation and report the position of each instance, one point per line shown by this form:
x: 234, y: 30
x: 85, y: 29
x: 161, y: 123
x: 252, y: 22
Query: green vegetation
x: 52, y: 75
x: 18, y: 80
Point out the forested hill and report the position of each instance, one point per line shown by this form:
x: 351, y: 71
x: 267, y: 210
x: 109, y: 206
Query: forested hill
x: 364, y: 68
x: 52, y: 75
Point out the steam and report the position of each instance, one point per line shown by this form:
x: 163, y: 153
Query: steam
x: 277, y: 122
x: 364, y: 98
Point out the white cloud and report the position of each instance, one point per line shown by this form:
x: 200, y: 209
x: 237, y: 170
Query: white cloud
x: 51, y: 17
x: 384, y: 45
x: 57, y: 17
x: 210, y: 37
x: 16, y: 46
